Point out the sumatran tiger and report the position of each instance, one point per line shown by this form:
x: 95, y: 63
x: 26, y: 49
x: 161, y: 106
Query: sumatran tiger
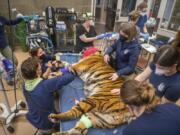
x: 101, y: 108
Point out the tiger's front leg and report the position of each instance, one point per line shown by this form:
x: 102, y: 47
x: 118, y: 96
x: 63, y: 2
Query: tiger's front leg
x: 82, y: 107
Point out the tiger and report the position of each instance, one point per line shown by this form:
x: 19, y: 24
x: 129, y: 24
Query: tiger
x: 101, y: 108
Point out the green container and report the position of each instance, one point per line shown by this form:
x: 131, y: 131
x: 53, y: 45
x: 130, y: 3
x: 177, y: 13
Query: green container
x: 21, y: 33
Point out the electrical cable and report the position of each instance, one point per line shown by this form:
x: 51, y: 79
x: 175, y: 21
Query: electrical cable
x: 14, y: 76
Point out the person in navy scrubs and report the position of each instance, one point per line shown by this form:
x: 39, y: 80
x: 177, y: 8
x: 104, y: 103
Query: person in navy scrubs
x: 150, y: 117
x: 163, y: 73
x: 127, y: 50
x: 4, y: 47
x: 141, y: 23
x: 39, y: 94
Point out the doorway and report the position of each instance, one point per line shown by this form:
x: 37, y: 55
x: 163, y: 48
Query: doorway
x: 111, y: 8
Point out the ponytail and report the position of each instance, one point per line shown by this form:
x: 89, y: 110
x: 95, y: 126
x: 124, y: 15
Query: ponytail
x: 168, y: 55
x: 176, y: 45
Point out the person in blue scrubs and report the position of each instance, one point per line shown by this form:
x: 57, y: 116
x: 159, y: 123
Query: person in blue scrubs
x: 133, y: 18
x: 163, y: 73
x: 4, y: 47
x: 150, y: 117
x: 39, y: 94
x: 127, y: 51
x: 141, y: 23
x: 45, y: 60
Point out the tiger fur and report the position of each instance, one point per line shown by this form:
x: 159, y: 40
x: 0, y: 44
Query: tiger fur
x: 104, y: 109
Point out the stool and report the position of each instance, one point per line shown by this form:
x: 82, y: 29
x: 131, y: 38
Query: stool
x: 150, y: 50
x: 103, y: 44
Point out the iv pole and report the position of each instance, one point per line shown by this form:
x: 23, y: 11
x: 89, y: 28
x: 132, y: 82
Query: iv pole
x: 7, y: 114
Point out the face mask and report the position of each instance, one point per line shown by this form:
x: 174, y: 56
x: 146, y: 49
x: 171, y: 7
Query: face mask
x: 42, y: 57
x: 54, y: 69
x: 143, y: 13
x: 160, y: 71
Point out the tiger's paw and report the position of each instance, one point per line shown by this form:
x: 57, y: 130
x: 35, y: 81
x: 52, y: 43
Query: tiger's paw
x: 75, y: 131
x: 53, y: 116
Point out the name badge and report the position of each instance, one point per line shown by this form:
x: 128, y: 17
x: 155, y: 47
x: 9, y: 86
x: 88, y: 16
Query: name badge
x: 161, y: 87
x: 126, y: 51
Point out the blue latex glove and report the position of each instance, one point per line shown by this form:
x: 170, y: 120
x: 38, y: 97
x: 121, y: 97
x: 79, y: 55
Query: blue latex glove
x: 8, y: 65
x: 144, y: 35
x: 26, y: 18
x: 104, y: 35
x: 101, y: 36
x: 64, y: 70
x: 108, y: 35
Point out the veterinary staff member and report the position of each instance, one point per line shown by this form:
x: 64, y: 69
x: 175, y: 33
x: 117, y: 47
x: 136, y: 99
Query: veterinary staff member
x: 44, y: 59
x: 133, y: 18
x: 151, y: 118
x: 127, y: 51
x: 86, y: 34
x: 164, y: 73
x: 39, y: 94
x: 141, y: 23
x: 4, y: 47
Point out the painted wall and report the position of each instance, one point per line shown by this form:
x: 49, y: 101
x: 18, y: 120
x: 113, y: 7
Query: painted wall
x: 37, y: 6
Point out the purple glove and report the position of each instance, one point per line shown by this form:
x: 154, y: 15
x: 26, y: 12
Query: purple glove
x: 105, y: 35
x: 64, y: 70
x: 145, y: 35
x: 101, y: 36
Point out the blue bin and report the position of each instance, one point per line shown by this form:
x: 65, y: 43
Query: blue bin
x: 69, y: 57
